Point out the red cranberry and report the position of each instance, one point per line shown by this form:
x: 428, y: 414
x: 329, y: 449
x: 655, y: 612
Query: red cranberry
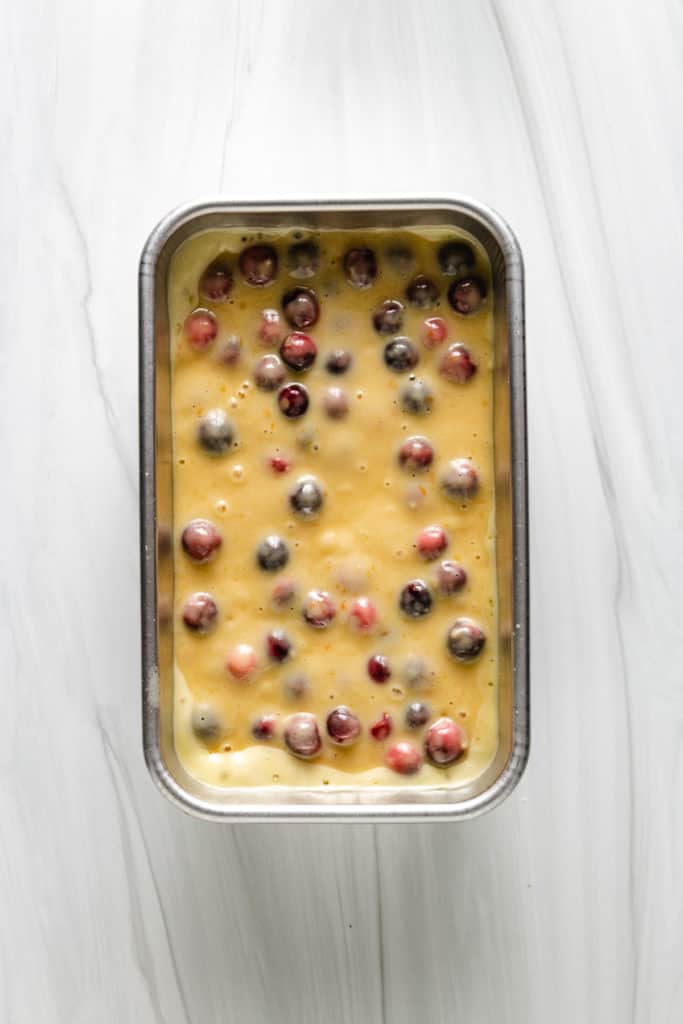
x: 417, y: 715
x: 298, y: 351
x: 467, y: 296
x: 401, y: 355
x: 335, y: 403
x: 450, y: 577
x: 416, y: 599
x: 338, y: 361
x: 388, y: 317
x: 461, y: 479
x: 303, y: 259
x: 284, y: 594
x: 422, y: 293
x: 444, y: 742
x: 379, y: 669
x: 456, y: 364
x: 200, y: 613
x: 455, y: 258
x: 403, y: 758
x: 258, y: 264
x: 269, y: 372
x: 381, y: 729
x: 416, y: 454
x: 431, y: 542
x: 264, y: 727
x: 363, y: 614
x: 319, y: 609
x: 201, y: 328
x: 241, y: 662
x: 280, y: 463
x: 434, y: 331
x: 292, y: 400
x: 301, y: 735
x: 301, y: 308
x: 270, y: 330
x: 343, y: 727
x: 278, y: 645
x: 215, y: 283
x: 465, y: 640
x: 230, y: 350
x: 201, y: 540
x: 360, y: 267
x: 216, y: 433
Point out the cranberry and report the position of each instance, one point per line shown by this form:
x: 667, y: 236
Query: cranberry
x: 201, y: 328
x: 416, y: 397
x: 264, y: 727
x: 465, y: 640
x: 434, y: 331
x: 456, y: 364
x: 206, y: 722
x: 200, y: 613
x: 216, y: 433
x: 381, y: 729
x: 298, y: 351
x: 417, y: 715
x: 415, y: 671
x: 272, y: 553
x: 403, y: 758
x: 343, y: 727
x: 303, y: 259
x: 338, y: 361
x: 416, y: 599
x: 335, y: 403
x: 416, y: 454
x: 388, y: 317
x: 319, y: 609
x: 278, y: 645
x: 284, y: 594
x: 301, y: 735
x: 292, y: 400
x: 301, y: 308
x: 461, y: 479
x: 401, y: 260
x: 297, y: 686
x: 230, y: 350
x: 444, y: 742
x: 401, y: 355
x: 201, y: 540
x: 467, y: 296
x: 422, y: 292
x: 269, y: 372
x: 455, y: 258
x: 280, y: 463
x: 450, y: 577
x: 360, y: 267
x: 270, y: 330
x: 379, y: 669
x: 215, y: 283
x: 431, y: 542
x: 241, y: 662
x: 307, y: 497
x: 363, y: 614
x: 258, y: 264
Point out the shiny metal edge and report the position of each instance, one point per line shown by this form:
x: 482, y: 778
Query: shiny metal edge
x: 506, y: 781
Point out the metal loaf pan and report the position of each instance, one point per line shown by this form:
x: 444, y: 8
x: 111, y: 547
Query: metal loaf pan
x: 156, y: 487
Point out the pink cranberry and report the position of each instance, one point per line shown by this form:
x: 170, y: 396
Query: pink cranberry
x: 363, y: 614
x: 230, y: 350
x: 461, y: 479
x: 280, y: 463
x: 200, y: 613
x: 379, y: 669
x: 264, y: 727
x: 381, y: 729
x: 215, y: 283
x: 450, y: 577
x: 284, y: 594
x: 416, y: 454
x: 403, y: 757
x: 298, y: 351
x: 444, y: 742
x: 434, y: 331
x: 343, y: 727
x: 278, y: 645
x: 269, y: 372
x: 201, y: 328
x: 467, y: 296
x: 201, y: 540
x: 335, y: 403
x: 431, y: 542
x: 456, y: 364
x: 241, y: 662
x: 319, y: 609
x: 270, y: 330
x: 301, y: 735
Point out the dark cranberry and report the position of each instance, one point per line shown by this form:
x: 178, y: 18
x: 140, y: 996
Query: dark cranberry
x: 431, y: 542
x: 215, y: 283
x: 455, y: 258
x: 381, y: 729
x: 200, y: 613
x: 379, y: 669
x: 307, y: 497
x: 272, y: 553
x: 278, y: 645
x: 434, y: 332
x: 301, y: 735
x: 450, y: 577
x: 201, y: 328
x: 403, y: 758
x: 456, y: 364
x: 258, y: 264
x: 292, y: 400
x: 216, y: 433
x: 401, y: 355
x: 343, y: 727
x: 360, y: 267
x: 284, y: 594
x: 460, y: 479
x: 206, y: 722
x: 363, y: 614
x: 201, y: 540
x: 264, y: 727
x: 422, y: 293
x: 416, y: 599
x: 241, y: 662
x: 319, y: 609
x: 417, y: 715
x: 230, y: 350
x: 466, y: 296
x: 270, y: 332
x: 401, y: 259
x: 297, y: 686
x: 388, y: 318
x: 335, y: 403
x: 269, y: 372
x: 301, y: 308
x: 416, y: 454
x: 444, y: 742
x: 416, y: 397
x: 465, y: 640
x: 303, y: 259
x: 338, y: 361
x: 280, y: 463
x: 298, y: 351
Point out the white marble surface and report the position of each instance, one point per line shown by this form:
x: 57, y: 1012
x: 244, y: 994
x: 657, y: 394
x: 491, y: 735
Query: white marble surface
x: 566, y: 904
